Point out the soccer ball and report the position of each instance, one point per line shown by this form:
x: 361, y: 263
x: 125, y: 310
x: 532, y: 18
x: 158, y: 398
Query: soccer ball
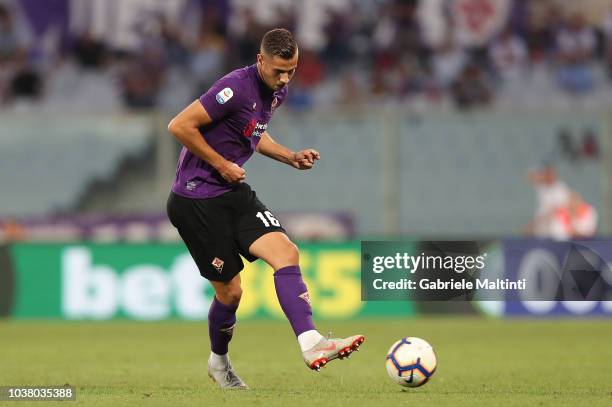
x: 411, y: 362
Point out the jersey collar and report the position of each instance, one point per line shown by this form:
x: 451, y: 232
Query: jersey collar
x: 263, y: 88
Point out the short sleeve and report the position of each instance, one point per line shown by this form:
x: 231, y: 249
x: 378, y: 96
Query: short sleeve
x: 222, y: 99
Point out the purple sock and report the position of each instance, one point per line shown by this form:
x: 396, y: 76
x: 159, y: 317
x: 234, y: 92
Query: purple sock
x: 221, y: 321
x: 293, y: 298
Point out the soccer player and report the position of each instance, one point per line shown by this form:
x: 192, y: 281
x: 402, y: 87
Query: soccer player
x: 219, y: 216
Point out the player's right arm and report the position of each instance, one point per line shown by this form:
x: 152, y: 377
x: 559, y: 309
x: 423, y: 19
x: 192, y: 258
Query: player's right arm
x: 186, y: 128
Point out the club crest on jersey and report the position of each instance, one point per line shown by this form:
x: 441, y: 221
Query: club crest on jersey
x: 274, y: 103
x: 305, y: 296
x: 218, y: 264
x: 225, y: 95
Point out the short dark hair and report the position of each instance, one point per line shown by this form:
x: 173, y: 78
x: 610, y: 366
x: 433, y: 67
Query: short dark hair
x: 279, y: 42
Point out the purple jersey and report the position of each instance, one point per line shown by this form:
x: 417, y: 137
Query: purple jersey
x: 240, y: 105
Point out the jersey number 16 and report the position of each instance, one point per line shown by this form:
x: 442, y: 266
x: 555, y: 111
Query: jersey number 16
x: 271, y: 219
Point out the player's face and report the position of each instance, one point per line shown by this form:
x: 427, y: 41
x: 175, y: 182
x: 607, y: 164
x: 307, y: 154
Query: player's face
x: 275, y: 71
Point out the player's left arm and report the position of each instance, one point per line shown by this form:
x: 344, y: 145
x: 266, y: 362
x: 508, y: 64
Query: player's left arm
x: 302, y: 160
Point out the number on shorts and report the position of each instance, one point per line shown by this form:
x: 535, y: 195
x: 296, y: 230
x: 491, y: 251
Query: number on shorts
x: 271, y: 219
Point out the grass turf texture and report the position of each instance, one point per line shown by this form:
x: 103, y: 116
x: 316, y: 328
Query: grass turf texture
x: 480, y: 362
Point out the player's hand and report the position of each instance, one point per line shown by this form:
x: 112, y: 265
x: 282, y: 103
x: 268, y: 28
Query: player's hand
x: 304, y: 160
x: 232, y: 172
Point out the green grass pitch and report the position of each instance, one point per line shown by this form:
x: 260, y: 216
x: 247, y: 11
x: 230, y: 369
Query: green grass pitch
x: 480, y: 362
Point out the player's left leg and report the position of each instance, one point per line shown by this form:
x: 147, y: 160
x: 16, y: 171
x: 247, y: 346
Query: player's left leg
x: 282, y: 255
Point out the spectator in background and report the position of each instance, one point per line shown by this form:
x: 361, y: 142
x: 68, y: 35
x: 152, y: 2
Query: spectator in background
x: 12, y: 41
x: 472, y: 88
x: 567, y: 146
x: 338, y: 32
x: 378, y: 85
x: 244, y: 43
x: 576, y: 43
x: 142, y: 76
x: 543, y: 21
x: 397, y: 32
x: 16, y: 77
x: 551, y: 194
x: 351, y: 88
x: 508, y: 54
x: 448, y: 62
x: 590, y: 145
x: 208, y: 55
x: 410, y: 77
x: 384, y: 54
x: 175, y: 49
x: 307, y: 78
x: 407, y: 37
x: 26, y: 82
x: 90, y: 52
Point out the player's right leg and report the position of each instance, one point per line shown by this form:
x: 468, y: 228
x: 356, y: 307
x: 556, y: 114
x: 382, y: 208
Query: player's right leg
x: 205, y: 227
x: 221, y: 323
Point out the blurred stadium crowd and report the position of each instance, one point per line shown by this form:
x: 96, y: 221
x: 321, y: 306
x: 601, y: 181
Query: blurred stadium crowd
x: 443, y: 53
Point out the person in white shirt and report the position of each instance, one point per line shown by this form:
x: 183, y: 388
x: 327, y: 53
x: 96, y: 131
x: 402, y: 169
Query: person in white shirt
x: 551, y: 194
x: 509, y: 55
x: 561, y: 213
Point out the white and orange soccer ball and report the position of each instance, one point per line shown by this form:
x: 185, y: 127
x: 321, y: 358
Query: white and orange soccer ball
x: 411, y: 362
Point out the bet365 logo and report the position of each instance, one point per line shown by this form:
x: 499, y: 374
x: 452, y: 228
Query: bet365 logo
x: 141, y: 291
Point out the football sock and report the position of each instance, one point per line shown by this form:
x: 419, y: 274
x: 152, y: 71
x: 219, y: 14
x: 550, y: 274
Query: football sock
x: 221, y: 321
x: 309, y: 339
x: 294, y: 300
x: 219, y: 361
